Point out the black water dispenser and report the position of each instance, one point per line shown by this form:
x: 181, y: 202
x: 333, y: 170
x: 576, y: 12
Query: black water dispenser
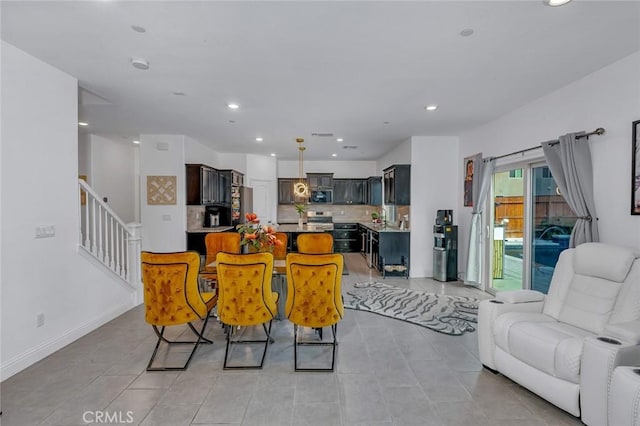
x: 445, y: 247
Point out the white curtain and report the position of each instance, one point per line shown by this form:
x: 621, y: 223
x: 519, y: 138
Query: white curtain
x: 476, y: 235
x: 570, y: 163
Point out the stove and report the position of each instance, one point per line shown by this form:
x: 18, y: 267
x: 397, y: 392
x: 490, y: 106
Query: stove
x: 320, y: 220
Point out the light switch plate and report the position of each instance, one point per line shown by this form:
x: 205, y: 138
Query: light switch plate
x: 46, y: 231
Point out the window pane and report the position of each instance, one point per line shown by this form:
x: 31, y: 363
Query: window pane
x: 508, y: 230
x: 553, y: 221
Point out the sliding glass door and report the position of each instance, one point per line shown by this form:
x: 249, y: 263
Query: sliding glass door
x: 552, y: 221
x: 507, y: 272
x: 531, y: 226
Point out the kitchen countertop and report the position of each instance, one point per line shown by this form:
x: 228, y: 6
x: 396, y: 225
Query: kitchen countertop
x: 214, y: 229
x: 283, y: 227
x: 379, y: 227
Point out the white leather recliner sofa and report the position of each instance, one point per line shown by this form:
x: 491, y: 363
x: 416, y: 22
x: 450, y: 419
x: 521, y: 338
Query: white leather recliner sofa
x: 564, y: 346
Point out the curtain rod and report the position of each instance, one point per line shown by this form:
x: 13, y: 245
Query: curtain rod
x: 599, y: 131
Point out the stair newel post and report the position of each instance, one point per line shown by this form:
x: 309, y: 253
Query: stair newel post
x: 134, y: 242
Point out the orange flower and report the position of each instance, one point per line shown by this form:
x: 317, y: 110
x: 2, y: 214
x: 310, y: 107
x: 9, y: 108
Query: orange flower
x: 252, y: 217
x: 251, y: 236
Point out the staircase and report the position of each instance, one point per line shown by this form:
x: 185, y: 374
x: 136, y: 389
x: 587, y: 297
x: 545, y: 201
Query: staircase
x: 107, y: 239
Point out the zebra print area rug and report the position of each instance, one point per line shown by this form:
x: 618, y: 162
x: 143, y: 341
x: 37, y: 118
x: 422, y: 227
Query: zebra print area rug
x: 445, y: 314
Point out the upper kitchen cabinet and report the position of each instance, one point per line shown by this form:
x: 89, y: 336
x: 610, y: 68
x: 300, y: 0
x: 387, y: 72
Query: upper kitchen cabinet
x: 374, y: 191
x: 320, y: 180
x: 202, y: 184
x: 285, y: 191
x: 397, y: 185
x: 224, y: 187
x: 349, y: 191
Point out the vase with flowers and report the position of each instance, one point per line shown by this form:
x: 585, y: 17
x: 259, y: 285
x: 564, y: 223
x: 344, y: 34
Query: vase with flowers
x: 256, y: 236
x: 300, y: 209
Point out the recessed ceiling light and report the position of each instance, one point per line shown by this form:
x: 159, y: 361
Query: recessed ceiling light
x: 82, y: 123
x: 466, y: 32
x: 232, y: 121
x: 334, y: 155
x: 139, y: 63
x: 554, y: 3
x: 233, y: 106
x: 136, y: 142
x: 339, y: 140
x: 273, y: 154
x: 179, y: 93
x: 431, y: 107
x: 386, y: 122
x: 138, y: 29
x: 259, y: 139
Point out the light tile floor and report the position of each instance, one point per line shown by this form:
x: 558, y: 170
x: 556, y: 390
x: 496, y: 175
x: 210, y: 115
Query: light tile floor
x: 388, y: 373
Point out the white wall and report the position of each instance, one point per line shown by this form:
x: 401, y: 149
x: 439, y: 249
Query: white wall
x: 39, y: 187
x: 197, y: 153
x: 400, y: 155
x: 261, y: 171
x: 164, y: 226
x: 340, y: 169
x: 608, y: 98
x: 237, y: 162
x: 112, y: 174
x: 84, y: 155
x: 433, y: 187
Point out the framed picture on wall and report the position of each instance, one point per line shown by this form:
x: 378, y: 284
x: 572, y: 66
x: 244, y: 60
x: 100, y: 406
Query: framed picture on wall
x: 635, y: 168
x: 470, y: 166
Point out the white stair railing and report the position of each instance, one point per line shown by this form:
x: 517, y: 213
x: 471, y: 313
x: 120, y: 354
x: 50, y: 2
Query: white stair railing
x: 107, y: 238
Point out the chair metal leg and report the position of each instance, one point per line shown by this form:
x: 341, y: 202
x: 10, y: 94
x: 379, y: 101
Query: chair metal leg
x: 201, y: 340
x: 266, y: 341
x: 296, y: 343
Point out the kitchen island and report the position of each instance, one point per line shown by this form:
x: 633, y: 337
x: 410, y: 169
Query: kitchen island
x: 293, y: 230
x: 386, y: 248
x: 195, y: 237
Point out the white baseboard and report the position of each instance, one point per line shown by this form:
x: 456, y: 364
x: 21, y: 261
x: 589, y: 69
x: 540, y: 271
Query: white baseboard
x: 20, y: 362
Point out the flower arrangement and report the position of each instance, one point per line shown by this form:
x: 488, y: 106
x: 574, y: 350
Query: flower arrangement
x: 259, y: 237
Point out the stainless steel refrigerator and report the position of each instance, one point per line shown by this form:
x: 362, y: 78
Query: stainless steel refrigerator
x: 241, y: 203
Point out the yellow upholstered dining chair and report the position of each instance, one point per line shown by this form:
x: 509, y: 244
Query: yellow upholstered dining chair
x: 172, y: 297
x: 315, y: 243
x: 245, y: 297
x: 215, y: 242
x: 314, y: 298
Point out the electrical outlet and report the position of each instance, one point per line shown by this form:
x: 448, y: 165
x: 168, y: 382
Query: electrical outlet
x: 40, y: 320
x: 166, y: 217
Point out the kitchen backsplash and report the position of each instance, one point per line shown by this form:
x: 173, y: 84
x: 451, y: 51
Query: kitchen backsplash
x: 341, y: 213
x: 195, y: 217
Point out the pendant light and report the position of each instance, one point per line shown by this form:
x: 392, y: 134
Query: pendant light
x: 300, y: 188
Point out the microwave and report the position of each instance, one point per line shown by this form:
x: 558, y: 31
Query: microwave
x: 324, y: 196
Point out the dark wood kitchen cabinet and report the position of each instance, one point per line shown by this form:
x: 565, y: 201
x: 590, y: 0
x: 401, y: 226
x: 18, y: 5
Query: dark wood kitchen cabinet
x: 202, y: 184
x: 374, y: 191
x: 349, y: 191
x: 320, y: 180
x: 285, y: 191
x: 346, y: 238
x: 397, y: 185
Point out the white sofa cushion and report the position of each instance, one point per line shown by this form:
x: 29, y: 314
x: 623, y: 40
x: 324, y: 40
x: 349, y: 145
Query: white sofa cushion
x: 542, y: 342
x: 589, y: 302
x: 604, y: 261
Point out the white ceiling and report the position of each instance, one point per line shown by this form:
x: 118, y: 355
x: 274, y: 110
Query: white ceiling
x: 361, y: 70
